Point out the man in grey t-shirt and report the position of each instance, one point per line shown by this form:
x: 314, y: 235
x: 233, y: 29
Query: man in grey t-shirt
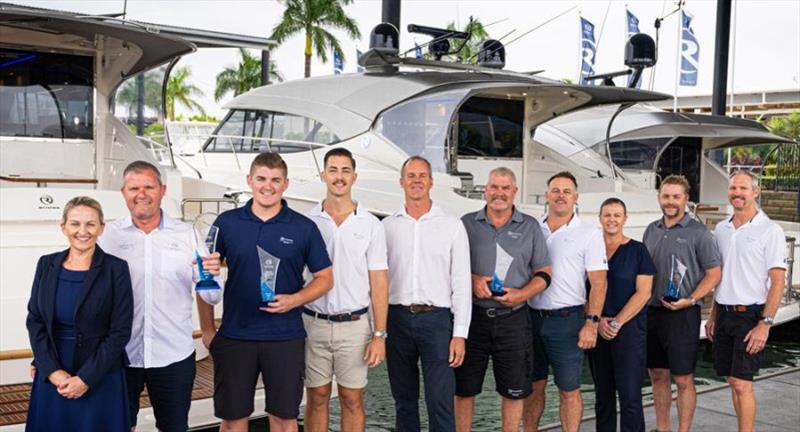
x: 507, y: 253
x: 686, y: 257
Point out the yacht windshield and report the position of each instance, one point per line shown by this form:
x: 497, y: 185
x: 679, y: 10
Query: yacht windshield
x: 635, y: 154
x: 250, y: 131
x: 419, y: 127
x: 490, y: 128
x: 46, y: 95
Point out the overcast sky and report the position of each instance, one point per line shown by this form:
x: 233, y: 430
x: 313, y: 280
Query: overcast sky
x: 765, y: 40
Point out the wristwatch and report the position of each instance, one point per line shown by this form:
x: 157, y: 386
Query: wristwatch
x: 381, y: 334
x: 593, y: 318
x: 768, y: 320
x: 615, y: 325
x: 691, y: 299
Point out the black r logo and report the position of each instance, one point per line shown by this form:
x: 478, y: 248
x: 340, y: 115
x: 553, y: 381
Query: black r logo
x: 46, y: 199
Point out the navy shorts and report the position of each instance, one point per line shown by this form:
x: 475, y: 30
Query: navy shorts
x: 555, y: 342
x: 237, y: 364
x: 673, y: 339
x: 729, y: 348
x: 169, y: 389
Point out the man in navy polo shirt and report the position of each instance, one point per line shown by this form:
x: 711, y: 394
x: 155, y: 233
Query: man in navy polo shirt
x: 267, y: 339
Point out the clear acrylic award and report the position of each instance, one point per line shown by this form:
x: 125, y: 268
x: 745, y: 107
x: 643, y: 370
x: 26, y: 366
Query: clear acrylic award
x: 501, y: 265
x: 269, y: 275
x: 209, y: 232
x: 676, y: 274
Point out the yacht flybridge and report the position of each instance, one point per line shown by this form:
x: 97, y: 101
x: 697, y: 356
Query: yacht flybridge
x: 59, y: 138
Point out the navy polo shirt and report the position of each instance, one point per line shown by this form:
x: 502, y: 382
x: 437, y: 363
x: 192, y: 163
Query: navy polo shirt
x: 289, y: 236
x: 629, y: 261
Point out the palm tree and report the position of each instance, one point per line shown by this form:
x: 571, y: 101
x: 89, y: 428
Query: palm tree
x: 244, y: 76
x: 786, y: 126
x: 127, y: 93
x: 469, y: 50
x: 179, y: 90
x: 315, y: 19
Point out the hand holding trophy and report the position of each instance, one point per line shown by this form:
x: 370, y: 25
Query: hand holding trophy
x: 502, y: 263
x: 209, y: 232
x: 269, y: 275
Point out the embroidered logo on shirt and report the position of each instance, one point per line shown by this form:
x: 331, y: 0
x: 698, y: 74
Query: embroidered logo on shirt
x: 681, y: 240
x: 514, y: 235
x: 174, y: 246
x: 125, y: 246
x: 286, y: 240
x: 358, y: 236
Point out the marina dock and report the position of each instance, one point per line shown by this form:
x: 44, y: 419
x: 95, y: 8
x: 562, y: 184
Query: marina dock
x: 777, y: 395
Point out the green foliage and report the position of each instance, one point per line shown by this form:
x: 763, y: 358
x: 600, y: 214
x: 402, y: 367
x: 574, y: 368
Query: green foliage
x: 203, y: 118
x: 179, y: 90
x: 786, y: 126
x: 127, y: 94
x: 154, y: 129
x: 244, y: 76
x: 314, y: 19
x: 468, y: 52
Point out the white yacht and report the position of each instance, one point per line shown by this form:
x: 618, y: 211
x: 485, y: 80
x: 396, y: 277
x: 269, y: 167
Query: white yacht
x: 59, y: 138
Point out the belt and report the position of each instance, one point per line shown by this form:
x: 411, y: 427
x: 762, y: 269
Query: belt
x: 498, y: 312
x: 415, y: 308
x: 741, y: 308
x: 563, y: 312
x: 344, y: 317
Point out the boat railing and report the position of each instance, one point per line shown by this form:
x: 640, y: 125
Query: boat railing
x: 161, y: 154
x: 218, y: 204
x: 792, y: 292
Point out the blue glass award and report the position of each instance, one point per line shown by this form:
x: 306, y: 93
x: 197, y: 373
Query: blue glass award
x: 206, y: 280
x: 676, y: 274
x: 269, y: 275
x: 501, y: 265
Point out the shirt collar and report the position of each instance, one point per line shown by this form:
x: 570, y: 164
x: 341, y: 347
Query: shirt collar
x: 166, y: 222
x: 516, y: 215
x: 283, y: 216
x: 359, y: 211
x: 683, y: 222
x: 573, y: 222
x: 759, y: 218
x: 434, y: 212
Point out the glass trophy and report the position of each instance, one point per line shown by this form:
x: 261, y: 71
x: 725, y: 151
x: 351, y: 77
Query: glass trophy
x: 501, y: 265
x: 676, y: 274
x: 269, y: 275
x: 209, y: 233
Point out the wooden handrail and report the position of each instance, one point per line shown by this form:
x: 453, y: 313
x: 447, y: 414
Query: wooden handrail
x: 40, y: 180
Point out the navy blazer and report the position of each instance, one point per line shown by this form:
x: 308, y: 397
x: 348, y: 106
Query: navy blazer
x: 103, y: 317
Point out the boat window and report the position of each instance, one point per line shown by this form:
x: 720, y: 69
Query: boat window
x: 634, y: 154
x: 490, y: 128
x: 419, y: 127
x: 46, y: 95
x: 251, y: 131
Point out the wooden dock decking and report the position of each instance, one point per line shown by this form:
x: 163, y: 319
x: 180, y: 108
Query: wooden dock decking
x: 778, y: 409
x: 14, y: 397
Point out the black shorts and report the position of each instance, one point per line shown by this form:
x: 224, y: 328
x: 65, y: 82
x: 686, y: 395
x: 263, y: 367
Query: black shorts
x: 506, y: 339
x: 673, y: 339
x: 729, y: 348
x: 237, y: 364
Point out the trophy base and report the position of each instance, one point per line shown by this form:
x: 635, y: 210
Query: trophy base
x: 205, y: 285
x: 263, y: 305
x: 670, y: 299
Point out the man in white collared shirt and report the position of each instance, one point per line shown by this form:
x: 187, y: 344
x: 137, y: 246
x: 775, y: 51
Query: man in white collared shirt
x: 753, y: 249
x: 160, y: 252
x: 340, y: 340
x: 430, y: 301
x: 563, y: 323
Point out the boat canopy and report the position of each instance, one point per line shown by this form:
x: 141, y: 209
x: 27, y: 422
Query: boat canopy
x: 643, y: 122
x: 350, y: 104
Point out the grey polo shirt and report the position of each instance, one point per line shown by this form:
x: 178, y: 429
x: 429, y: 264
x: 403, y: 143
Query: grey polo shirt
x: 521, y: 238
x: 682, y: 252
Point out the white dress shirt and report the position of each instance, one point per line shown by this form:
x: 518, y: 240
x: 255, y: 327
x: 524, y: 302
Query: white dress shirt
x: 429, y: 264
x: 355, y: 247
x: 748, y: 254
x: 575, y: 248
x: 163, y: 277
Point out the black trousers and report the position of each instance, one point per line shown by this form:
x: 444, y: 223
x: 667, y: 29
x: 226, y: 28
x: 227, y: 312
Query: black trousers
x: 618, y: 367
x: 170, y: 392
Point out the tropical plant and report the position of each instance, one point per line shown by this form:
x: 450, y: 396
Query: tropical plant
x: 244, y: 76
x: 314, y: 19
x: 127, y: 95
x: 468, y: 52
x: 786, y: 126
x: 181, y: 91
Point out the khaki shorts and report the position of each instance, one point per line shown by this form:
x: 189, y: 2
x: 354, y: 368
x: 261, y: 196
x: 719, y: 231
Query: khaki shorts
x: 336, y: 348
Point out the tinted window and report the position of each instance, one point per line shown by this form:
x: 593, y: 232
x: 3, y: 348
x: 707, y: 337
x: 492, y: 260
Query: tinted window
x: 635, y: 154
x: 259, y: 131
x: 46, y: 95
x: 490, y: 127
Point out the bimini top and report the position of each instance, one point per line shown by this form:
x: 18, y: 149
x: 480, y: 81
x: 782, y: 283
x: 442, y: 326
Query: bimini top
x: 645, y: 122
x: 158, y: 43
x: 348, y: 104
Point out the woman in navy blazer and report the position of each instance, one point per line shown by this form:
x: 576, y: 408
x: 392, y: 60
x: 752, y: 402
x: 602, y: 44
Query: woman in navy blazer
x: 79, y: 321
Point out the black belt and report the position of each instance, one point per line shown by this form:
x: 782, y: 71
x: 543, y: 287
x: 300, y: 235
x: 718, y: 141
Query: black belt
x: 349, y: 316
x: 741, y: 308
x: 563, y: 312
x: 415, y: 308
x: 497, y: 312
